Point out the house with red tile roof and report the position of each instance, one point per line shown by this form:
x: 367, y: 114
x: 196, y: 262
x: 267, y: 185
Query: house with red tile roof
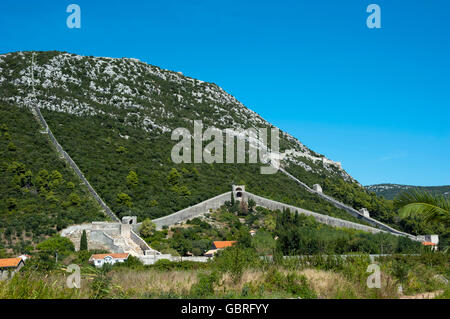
x: 430, y: 244
x: 223, y: 244
x: 218, y: 245
x: 11, y: 263
x: 101, y: 259
x: 9, y: 266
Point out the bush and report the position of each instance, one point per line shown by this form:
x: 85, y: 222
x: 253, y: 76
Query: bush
x: 205, y: 285
x: 57, y: 244
x: 234, y: 260
x: 100, y: 286
x: 131, y: 262
x: 294, y: 284
x: 147, y: 228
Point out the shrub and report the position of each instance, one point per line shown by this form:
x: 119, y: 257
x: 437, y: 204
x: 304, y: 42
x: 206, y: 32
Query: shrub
x: 147, y: 228
x: 234, y: 260
x: 57, y: 244
x: 100, y: 286
x: 294, y: 284
x: 205, y: 285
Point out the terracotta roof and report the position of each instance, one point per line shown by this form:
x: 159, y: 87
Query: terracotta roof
x: 224, y: 244
x: 115, y: 256
x: 10, y: 262
x: 428, y: 243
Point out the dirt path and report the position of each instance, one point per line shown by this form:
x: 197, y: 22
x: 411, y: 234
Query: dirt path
x: 424, y: 295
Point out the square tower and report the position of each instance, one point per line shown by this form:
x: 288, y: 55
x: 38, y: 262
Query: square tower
x: 238, y: 192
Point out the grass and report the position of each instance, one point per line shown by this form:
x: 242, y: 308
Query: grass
x: 307, y: 278
x: 151, y: 283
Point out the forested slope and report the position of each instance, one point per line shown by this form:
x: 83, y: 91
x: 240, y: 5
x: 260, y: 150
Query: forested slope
x: 39, y: 193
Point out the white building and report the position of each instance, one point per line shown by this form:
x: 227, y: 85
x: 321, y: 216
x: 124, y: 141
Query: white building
x: 100, y: 259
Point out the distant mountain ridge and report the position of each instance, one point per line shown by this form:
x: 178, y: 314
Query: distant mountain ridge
x: 389, y: 191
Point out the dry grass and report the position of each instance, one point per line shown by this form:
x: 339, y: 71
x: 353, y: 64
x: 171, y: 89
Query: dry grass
x: 248, y: 277
x: 329, y: 284
x: 152, y: 283
x: 141, y: 282
x: 326, y: 284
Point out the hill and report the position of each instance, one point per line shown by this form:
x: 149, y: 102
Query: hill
x: 40, y: 195
x: 114, y: 117
x: 389, y: 191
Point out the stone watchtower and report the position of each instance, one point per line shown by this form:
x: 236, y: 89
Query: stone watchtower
x: 317, y: 188
x: 238, y: 192
x: 127, y: 225
x: 131, y: 220
x: 365, y: 212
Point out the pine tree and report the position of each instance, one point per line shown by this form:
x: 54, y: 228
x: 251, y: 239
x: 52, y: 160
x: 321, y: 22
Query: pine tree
x: 132, y: 179
x: 83, y: 241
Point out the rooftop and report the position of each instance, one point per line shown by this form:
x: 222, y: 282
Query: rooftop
x: 428, y: 243
x: 224, y: 244
x: 115, y: 256
x: 10, y: 262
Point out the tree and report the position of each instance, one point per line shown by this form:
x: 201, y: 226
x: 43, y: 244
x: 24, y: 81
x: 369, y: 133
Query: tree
x: 61, y: 245
x: 434, y: 208
x: 12, y: 147
x: 75, y: 199
x: 121, y: 150
x: 11, y: 203
x: 251, y: 204
x: 83, y: 241
x: 270, y: 222
x: 56, y: 179
x: 132, y: 179
x: 234, y: 260
x: 124, y: 200
x: 173, y: 177
x: 147, y: 228
x: 4, y: 128
x: 42, y: 178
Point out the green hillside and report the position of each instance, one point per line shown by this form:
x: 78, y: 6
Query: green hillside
x: 161, y: 187
x: 39, y: 194
x: 389, y: 191
x: 114, y: 117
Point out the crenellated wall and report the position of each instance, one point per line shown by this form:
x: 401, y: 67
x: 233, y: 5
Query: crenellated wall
x: 351, y: 210
x: 216, y: 202
x: 192, y: 212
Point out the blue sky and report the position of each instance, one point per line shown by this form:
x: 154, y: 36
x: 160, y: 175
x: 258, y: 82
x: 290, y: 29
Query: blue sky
x: 377, y: 100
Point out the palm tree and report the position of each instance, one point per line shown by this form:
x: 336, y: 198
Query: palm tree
x: 434, y: 208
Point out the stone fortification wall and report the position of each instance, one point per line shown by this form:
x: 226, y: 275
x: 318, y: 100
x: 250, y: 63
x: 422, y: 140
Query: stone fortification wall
x: 192, y: 212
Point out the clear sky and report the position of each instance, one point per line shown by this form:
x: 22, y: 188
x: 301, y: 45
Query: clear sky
x: 377, y: 100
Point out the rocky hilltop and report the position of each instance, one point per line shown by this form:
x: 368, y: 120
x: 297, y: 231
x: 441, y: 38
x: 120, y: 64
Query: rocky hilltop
x: 138, y: 95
